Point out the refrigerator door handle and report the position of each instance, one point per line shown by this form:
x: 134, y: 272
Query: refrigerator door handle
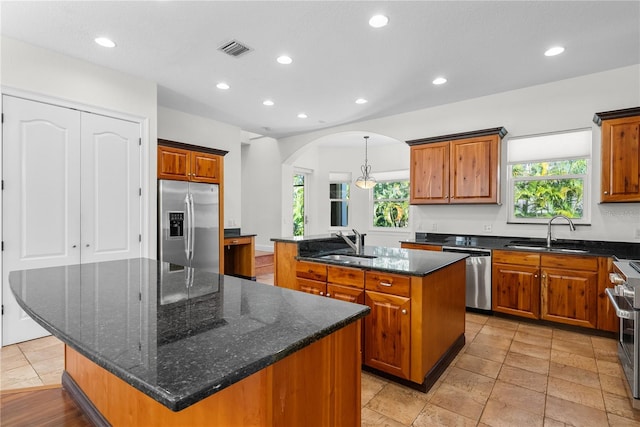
x: 187, y: 228
x: 192, y: 228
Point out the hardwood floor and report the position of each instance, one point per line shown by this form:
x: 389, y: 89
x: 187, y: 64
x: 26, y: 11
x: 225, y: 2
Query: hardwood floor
x: 42, y: 407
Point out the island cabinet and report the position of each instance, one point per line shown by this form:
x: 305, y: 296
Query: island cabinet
x: 460, y: 168
x: 555, y: 287
x: 388, y: 327
x: 516, y: 283
x: 188, y: 165
x: 343, y: 283
x: 284, y: 268
x: 620, y: 155
x: 239, y: 256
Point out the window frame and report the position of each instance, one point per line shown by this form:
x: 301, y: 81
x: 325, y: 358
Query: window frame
x: 343, y: 200
x: 587, y: 177
x: 385, y: 177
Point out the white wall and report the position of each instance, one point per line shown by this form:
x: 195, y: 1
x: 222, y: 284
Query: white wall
x: 562, y: 105
x: 182, y: 127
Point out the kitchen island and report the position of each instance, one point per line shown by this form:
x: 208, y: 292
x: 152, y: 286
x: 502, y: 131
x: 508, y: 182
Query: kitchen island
x: 417, y: 300
x: 151, y: 343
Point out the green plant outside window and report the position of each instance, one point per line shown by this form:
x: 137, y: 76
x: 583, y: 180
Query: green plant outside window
x: 391, y: 204
x: 545, y: 189
x: 298, y: 205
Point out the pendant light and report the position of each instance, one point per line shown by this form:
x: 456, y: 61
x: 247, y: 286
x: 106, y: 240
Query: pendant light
x: 365, y: 181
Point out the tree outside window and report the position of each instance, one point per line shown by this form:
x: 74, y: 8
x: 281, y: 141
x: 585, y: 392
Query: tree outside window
x: 391, y: 204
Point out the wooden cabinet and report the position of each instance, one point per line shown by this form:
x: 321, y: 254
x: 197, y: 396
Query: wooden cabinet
x: 387, y: 333
x: 516, y: 283
x: 284, y: 264
x: 461, y: 168
x: 555, y: 287
x: 239, y: 256
x: 569, y: 289
x: 420, y: 246
x: 620, y: 180
x: 188, y: 165
x: 345, y: 284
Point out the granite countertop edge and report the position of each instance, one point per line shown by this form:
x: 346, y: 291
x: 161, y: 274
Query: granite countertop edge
x: 182, y: 402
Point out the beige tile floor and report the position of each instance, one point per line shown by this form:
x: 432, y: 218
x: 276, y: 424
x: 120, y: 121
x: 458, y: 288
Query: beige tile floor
x: 508, y: 374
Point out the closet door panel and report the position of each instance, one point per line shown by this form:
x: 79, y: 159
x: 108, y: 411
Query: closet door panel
x: 110, y: 175
x: 41, y: 198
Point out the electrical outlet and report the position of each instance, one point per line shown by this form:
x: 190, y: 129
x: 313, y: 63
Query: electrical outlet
x: 434, y: 227
x: 487, y: 228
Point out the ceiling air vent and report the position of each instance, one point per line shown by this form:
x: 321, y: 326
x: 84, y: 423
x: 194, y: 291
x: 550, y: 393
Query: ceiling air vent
x: 234, y: 48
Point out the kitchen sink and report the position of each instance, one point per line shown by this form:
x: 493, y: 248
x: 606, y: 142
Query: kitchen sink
x: 551, y: 249
x: 349, y: 259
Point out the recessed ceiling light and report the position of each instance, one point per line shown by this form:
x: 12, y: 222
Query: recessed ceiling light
x: 104, y: 42
x: 439, y: 81
x: 302, y: 116
x: 361, y: 101
x: 267, y: 102
x: 284, y: 59
x: 222, y: 85
x: 556, y: 50
x: 378, y: 21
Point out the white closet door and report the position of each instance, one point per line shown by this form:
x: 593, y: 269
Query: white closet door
x: 110, y: 177
x: 41, y: 198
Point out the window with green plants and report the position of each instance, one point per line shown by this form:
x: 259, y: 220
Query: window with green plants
x: 391, y: 204
x: 339, y: 200
x: 298, y: 205
x: 540, y: 189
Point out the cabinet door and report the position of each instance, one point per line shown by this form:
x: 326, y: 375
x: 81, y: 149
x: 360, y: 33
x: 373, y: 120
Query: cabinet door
x: 173, y: 163
x: 205, y: 167
x: 345, y: 293
x: 569, y: 296
x: 475, y: 170
x: 621, y: 160
x: 430, y: 173
x: 516, y: 290
x: 387, y: 333
x: 311, y: 286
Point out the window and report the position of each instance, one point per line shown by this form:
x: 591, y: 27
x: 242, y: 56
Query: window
x: 298, y: 204
x: 339, y: 184
x: 549, y: 175
x: 390, y: 198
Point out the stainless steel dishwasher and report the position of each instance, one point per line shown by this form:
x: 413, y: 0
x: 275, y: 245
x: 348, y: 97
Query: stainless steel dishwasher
x: 478, y: 281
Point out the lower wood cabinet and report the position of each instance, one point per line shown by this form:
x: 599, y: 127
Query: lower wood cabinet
x: 387, y: 336
x: 345, y: 293
x: 515, y: 278
x: 558, y: 288
x: 420, y: 246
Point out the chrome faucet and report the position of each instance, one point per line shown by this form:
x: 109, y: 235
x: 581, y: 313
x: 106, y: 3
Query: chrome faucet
x: 571, y: 227
x: 357, y: 246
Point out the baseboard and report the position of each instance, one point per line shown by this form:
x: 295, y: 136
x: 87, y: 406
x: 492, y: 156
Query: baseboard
x: 83, y: 402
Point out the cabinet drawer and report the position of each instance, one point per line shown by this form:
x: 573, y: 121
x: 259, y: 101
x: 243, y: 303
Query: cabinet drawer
x: 388, y: 283
x: 311, y: 270
x: 573, y: 262
x: 345, y: 276
x: 516, y: 257
x: 420, y: 246
x: 311, y: 286
x: 237, y: 241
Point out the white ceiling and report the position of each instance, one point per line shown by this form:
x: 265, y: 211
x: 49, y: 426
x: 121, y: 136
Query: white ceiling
x: 481, y: 47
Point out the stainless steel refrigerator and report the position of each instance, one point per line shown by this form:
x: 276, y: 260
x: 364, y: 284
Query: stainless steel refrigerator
x: 188, y: 224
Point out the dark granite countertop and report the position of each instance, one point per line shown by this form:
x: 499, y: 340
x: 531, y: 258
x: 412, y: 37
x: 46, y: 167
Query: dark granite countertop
x: 392, y: 260
x: 620, y: 250
x: 178, y: 335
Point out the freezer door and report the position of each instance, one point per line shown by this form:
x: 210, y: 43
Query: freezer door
x: 173, y: 221
x: 206, y: 237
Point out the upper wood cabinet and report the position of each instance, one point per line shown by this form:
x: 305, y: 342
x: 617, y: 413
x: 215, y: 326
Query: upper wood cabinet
x: 620, y: 155
x: 182, y: 162
x: 460, y: 168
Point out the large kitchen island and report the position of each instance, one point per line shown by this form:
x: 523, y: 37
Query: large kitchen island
x: 150, y: 343
x: 417, y: 300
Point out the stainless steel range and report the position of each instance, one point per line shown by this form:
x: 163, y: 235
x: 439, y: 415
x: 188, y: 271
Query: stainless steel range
x: 625, y: 297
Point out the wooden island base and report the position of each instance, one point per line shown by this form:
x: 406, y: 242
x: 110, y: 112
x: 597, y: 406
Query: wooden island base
x: 318, y: 385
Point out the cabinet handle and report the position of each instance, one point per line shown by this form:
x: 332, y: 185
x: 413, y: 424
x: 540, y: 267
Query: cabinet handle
x: 234, y: 241
x: 388, y: 285
x: 321, y: 294
x: 606, y: 192
x: 87, y: 245
x: 404, y: 311
x: 73, y: 246
x: 535, y: 275
x: 328, y: 294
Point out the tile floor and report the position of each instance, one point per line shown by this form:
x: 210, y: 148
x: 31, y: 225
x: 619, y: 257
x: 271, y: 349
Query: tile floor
x: 508, y: 374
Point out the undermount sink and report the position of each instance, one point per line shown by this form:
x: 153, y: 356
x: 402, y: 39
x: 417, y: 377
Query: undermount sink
x: 349, y: 259
x: 551, y: 249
